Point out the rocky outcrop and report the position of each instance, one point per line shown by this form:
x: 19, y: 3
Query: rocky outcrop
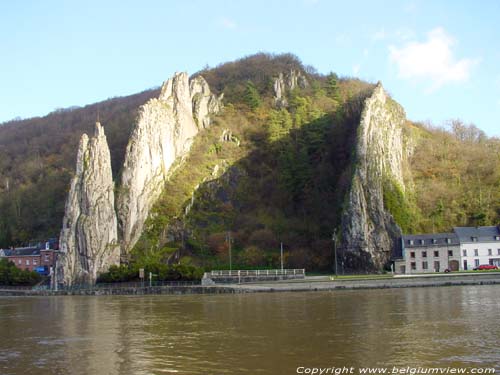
x: 368, y: 229
x: 287, y: 82
x: 164, y: 132
x: 89, y: 238
x: 204, y: 102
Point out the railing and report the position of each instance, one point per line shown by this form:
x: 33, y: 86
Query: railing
x: 257, y: 273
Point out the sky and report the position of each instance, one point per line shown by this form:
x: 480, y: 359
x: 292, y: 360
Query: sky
x: 439, y: 59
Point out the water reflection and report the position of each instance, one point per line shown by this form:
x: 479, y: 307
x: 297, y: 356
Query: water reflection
x: 264, y: 333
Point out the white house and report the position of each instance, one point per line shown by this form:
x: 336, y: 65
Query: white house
x: 478, y: 245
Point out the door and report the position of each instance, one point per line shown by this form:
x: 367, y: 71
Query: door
x: 453, y: 265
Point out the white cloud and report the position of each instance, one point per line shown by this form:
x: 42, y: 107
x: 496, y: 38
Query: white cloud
x: 431, y: 60
x: 227, y: 23
x: 365, y: 52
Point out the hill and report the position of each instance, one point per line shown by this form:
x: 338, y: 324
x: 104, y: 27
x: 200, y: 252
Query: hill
x: 287, y: 160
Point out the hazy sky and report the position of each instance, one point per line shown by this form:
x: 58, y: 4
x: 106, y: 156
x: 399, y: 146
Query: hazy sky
x: 439, y: 59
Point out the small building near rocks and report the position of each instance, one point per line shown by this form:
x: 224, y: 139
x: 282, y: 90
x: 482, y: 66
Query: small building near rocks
x: 40, y: 257
x: 423, y: 253
x: 466, y: 248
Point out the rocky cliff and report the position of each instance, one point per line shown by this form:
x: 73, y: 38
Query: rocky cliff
x: 164, y: 132
x: 285, y: 83
x: 89, y: 238
x: 368, y: 229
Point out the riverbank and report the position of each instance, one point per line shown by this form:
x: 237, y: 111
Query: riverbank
x: 314, y: 283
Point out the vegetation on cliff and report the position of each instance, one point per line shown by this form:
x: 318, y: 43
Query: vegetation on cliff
x: 261, y: 174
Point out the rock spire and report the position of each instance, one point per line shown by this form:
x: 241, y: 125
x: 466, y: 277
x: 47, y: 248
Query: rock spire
x: 89, y: 238
x: 368, y: 230
x: 163, y: 133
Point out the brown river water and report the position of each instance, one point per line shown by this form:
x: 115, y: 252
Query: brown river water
x: 268, y: 333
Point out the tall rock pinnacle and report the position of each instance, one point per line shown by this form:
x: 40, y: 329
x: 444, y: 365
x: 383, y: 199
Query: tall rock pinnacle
x: 164, y: 132
x: 89, y: 238
x: 368, y: 230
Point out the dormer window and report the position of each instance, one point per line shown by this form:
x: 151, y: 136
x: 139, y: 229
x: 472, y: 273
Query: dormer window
x: 497, y: 238
x: 410, y: 242
x: 434, y: 241
x: 473, y: 239
x: 448, y: 240
x: 422, y: 242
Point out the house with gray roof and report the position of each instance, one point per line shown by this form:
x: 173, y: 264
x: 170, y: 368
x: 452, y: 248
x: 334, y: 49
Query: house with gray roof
x: 465, y: 248
x: 478, y: 246
x: 423, y: 253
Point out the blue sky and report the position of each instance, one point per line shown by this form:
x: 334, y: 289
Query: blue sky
x: 439, y: 59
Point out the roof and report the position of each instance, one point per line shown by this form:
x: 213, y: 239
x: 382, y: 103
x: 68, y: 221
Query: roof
x: 22, y: 251
x: 481, y: 234
x: 432, y: 239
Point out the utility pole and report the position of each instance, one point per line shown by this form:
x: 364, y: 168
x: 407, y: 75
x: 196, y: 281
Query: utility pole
x: 281, y: 258
x: 334, y: 239
x: 228, y: 238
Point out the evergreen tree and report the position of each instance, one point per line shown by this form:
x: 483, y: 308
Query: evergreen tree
x: 332, y: 88
x: 252, y: 96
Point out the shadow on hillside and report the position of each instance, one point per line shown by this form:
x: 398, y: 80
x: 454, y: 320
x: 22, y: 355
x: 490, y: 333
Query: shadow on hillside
x: 290, y: 190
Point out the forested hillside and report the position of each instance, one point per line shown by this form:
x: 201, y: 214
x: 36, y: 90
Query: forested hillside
x: 261, y: 174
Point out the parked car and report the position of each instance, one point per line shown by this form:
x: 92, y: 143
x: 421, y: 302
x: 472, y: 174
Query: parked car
x: 485, y: 267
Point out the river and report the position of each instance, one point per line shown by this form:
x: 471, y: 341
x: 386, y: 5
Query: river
x: 263, y: 333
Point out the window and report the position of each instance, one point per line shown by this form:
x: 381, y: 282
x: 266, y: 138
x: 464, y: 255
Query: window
x: 448, y: 240
x: 476, y: 252
x: 422, y: 242
x: 19, y: 261
x: 436, y: 253
x: 424, y: 265
x: 410, y: 242
x: 437, y: 266
x: 34, y: 262
x: 476, y: 262
x: 464, y: 252
x: 413, y: 266
x: 490, y: 252
x: 46, y: 258
x: 434, y: 241
x: 412, y: 254
x: 450, y: 253
x: 27, y: 262
x: 473, y: 239
x: 497, y: 238
x: 498, y: 251
x: 424, y: 254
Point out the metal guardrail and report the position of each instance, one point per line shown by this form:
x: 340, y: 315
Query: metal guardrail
x: 257, y: 273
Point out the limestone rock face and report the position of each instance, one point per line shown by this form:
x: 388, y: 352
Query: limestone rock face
x: 89, y: 238
x: 287, y: 82
x: 368, y: 230
x: 164, y: 132
x: 204, y: 102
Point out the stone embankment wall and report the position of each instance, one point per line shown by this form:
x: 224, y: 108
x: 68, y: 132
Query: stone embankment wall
x: 278, y: 286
